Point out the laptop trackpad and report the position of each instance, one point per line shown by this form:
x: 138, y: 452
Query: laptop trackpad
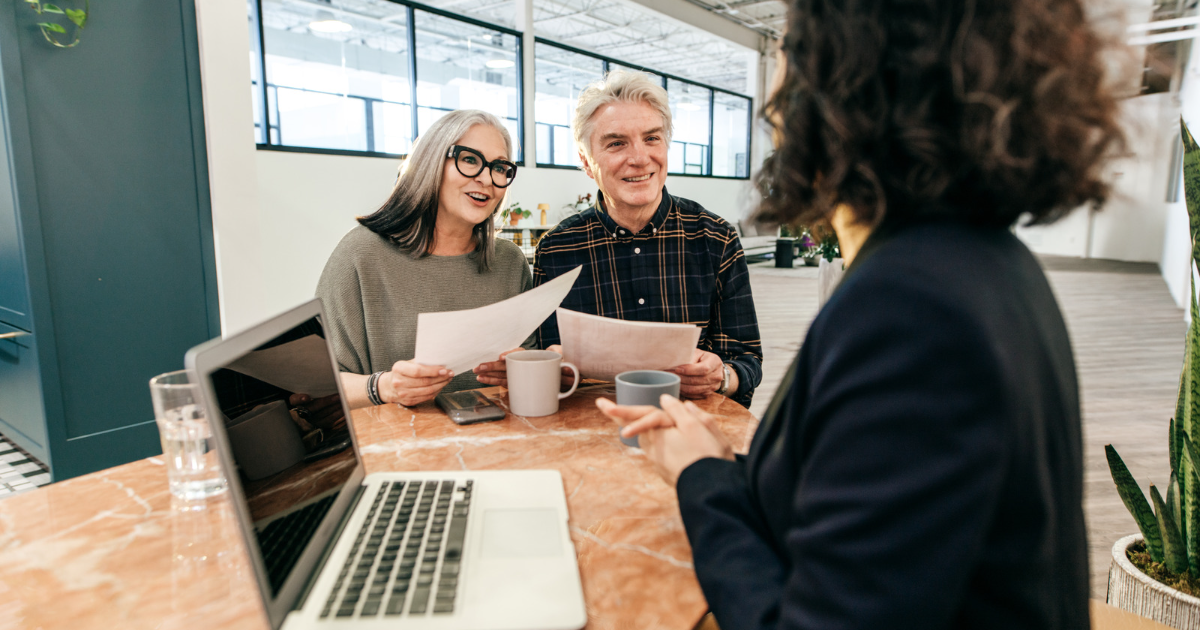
x: 532, y: 533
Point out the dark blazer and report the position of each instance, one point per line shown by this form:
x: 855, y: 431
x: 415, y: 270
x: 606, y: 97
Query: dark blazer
x: 921, y: 464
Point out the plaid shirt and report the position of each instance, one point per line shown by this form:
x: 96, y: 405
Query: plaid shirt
x: 686, y: 266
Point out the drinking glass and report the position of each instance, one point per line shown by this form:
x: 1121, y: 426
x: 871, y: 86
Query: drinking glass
x: 193, y: 472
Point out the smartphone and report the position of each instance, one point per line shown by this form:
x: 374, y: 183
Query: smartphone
x: 469, y: 407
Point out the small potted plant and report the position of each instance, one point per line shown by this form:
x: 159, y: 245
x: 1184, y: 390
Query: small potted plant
x: 582, y: 203
x: 515, y: 213
x: 1157, y: 574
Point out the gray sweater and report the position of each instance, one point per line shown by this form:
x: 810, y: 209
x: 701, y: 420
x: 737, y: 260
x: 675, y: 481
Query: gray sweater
x: 373, y: 292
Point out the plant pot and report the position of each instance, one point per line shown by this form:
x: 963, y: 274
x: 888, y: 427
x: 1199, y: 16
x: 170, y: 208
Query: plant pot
x: 1130, y: 589
x: 513, y: 219
x: 810, y: 261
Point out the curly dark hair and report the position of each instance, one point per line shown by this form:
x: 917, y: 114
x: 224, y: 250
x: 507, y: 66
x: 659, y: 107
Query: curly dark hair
x: 911, y: 110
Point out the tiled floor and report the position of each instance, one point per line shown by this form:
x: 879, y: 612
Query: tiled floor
x: 18, y: 471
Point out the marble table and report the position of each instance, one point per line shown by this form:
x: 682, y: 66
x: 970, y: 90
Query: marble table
x: 112, y: 549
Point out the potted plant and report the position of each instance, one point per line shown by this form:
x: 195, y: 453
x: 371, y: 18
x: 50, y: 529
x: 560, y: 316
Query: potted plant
x: 583, y: 202
x: 1152, y: 573
x: 515, y: 213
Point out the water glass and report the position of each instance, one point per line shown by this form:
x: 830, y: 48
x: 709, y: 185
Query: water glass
x: 193, y: 472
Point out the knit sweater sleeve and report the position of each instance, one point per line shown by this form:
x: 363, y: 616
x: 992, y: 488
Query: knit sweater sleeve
x: 340, y: 291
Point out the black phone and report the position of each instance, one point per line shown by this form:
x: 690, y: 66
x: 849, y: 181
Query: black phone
x: 469, y: 407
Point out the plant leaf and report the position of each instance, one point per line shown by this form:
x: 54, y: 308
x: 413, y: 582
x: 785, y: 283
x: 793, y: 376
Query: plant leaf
x: 1174, y: 553
x: 51, y: 8
x: 50, y: 26
x: 1135, y: 502
x: 77, y: 16
x: 1175, y: 503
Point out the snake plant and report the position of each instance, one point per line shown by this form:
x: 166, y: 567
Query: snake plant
x: 1172, y: 527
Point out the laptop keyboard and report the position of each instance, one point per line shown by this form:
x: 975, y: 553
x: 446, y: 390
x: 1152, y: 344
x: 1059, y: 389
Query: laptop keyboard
x: 283, y: 539
x: 407, y: 555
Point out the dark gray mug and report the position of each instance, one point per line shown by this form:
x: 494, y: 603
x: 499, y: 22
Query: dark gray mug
x: 644, y: 387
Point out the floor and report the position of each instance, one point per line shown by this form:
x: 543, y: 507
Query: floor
x: 18, y: 471
x: 1128, y: 339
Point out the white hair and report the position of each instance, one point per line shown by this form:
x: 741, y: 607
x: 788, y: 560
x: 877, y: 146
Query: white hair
x: 617, y: 86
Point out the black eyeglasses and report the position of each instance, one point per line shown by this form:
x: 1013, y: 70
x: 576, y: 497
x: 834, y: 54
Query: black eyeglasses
x: 471, y: 163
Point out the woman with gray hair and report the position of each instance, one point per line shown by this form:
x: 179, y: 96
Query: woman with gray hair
x: 431, y: 247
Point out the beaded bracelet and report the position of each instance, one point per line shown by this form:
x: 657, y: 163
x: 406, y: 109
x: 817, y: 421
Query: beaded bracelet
x: 373, y: 388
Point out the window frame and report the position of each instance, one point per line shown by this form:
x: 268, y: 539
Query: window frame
x: 609, y: 61
x: 270, y: 122
x: 259, y: 49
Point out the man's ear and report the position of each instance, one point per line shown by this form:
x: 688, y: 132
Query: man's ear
x: 587, y: 166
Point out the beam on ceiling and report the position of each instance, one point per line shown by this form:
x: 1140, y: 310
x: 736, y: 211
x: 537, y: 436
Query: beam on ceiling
x: 706, y: 20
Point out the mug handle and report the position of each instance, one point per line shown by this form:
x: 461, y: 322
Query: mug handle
x: 574, y: 370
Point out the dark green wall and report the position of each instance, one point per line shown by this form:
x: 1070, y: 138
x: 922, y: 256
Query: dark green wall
x: 106, y: 150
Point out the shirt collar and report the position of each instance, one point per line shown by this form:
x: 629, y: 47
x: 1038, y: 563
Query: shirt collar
x: 656, y: 221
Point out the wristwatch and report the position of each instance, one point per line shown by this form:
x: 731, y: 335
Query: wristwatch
x: 724, y: 379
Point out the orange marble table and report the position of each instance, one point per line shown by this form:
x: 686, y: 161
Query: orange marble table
x: 111, y: 550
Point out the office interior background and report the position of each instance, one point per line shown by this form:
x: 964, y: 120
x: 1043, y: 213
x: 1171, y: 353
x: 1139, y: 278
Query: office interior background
x: 204, y: 158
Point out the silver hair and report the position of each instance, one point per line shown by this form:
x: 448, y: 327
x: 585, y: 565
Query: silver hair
x: 617, y: 86
x: 409, y: 214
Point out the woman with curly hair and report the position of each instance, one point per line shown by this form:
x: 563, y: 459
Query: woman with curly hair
x: 921, y: 464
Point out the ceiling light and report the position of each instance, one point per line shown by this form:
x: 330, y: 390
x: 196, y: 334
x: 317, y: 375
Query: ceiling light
x: 497, y: 64
x: 326, y: 23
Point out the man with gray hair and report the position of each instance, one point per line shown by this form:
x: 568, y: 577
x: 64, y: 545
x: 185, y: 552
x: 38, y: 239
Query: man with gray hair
x: 646, y: 255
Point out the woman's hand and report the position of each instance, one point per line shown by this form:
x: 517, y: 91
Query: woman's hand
x: 673, y: 437
x: 411, y: 383
x: 494, y: 372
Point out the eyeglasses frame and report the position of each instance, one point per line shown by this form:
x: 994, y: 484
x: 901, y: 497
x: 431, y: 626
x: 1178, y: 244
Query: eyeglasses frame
x: 456, y: 149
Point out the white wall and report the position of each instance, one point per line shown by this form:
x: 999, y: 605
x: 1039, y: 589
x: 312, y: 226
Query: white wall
x: 1131, y: 226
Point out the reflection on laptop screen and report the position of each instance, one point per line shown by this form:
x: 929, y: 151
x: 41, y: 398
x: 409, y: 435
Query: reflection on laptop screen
x: 289, y: 439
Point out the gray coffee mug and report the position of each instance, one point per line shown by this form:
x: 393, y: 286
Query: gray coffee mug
x: 644, y: 387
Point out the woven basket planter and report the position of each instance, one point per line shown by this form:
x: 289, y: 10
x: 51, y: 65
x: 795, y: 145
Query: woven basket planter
x: 1130, y: 589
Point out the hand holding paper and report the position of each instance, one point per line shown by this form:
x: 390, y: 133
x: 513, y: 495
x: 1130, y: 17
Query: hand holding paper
x: 461, y: 340
x: 603, y: 347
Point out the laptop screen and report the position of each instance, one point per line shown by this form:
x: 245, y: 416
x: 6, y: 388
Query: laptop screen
x: 288, y: 438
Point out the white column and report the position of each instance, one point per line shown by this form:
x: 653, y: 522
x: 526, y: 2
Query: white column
x: 524, y: 14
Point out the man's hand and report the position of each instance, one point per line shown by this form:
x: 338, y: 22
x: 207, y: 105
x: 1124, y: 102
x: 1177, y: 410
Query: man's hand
x: 494, y: 372
x: 703, y: 375
x: 673, y: 437
x: 566, y: 378
x: 411, y: 383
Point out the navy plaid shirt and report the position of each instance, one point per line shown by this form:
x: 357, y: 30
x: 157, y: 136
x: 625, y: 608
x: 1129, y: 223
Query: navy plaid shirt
x: 686, y: 266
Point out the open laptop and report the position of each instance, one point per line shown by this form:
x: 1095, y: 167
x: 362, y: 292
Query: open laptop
x: 334, y: 547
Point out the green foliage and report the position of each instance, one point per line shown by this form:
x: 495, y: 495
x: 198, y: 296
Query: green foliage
x: 50, y: 30
x: 1174, y: 553
x: 515, y: 210
x: 1172, y: 530
x: 1131, y: 495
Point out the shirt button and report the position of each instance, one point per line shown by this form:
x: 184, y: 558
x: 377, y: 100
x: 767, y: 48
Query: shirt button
x: 641, y: 300
x: 637, y: 250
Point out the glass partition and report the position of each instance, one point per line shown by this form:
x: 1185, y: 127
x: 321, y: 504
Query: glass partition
x: 731, y: 135
x: 559, y: 76
x: 465, y: 66
x: 691, y: 116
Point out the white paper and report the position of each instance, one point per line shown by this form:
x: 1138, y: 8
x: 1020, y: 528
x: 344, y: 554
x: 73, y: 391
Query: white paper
x: 461, y: 340
x: 603, y: 347
x: 300, y: 366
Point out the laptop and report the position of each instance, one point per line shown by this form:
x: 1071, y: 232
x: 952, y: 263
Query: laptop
x: 333, y: 547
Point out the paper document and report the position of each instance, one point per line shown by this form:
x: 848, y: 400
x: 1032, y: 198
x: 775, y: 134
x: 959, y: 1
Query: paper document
x: 603, y: 347
x: 461, y: 340
x: 300, y: 366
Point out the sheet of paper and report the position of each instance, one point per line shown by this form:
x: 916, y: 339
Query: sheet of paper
x: 461, y: 340
x: 602, y: 347
x: 301, y: 366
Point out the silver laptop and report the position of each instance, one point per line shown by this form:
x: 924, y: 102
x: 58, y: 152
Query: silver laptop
x: 334, y: 547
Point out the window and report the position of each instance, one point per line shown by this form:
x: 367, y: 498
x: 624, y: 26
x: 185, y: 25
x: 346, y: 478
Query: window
x: 612, y: 65
x: 731, y: 135
x: 691, y: 115
x: 337, y: 77
x: 559, y: 75
x: 465, y: 66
